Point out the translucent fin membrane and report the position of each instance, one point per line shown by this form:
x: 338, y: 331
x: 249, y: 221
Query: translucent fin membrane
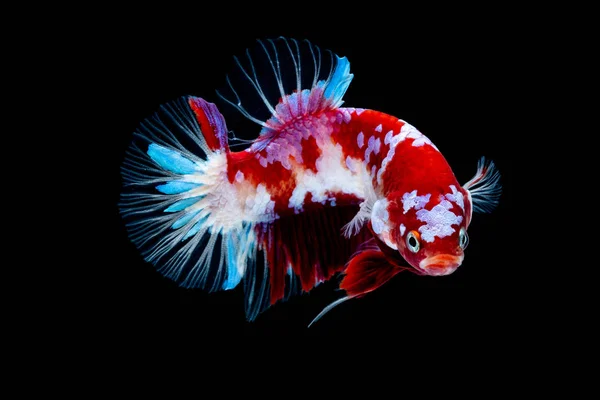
x: 257, y: 287
x: 280, y: 68
x: 165, y: 205
x: 485, y: 187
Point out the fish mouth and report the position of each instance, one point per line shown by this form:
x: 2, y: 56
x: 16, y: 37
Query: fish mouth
x: 441, y: 264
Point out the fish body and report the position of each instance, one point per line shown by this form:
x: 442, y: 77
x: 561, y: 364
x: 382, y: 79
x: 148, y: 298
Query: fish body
x: 322, y: 190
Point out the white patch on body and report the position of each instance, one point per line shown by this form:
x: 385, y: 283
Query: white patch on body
x: 370, y: 148
x: 285, y: 147
x: 226, y: 204
x: 378, y: 128
x: 283, y: 143
x: 346, y: 114
x: 393, y: 141
x: 376, y: 146
x: 259, y: 206
x: 456, y: 197
x: 366, y: 206
x: 438, y: 221
x: 413, y: 133
x: 351, y: 164
x: 411, y: 200
x: 388, y: 137
x: 333, y: 175
x: 360, y: 140
x: 379, y: 216
x: 239, y: 176
x: 379, y: 221
x: 402, y: 229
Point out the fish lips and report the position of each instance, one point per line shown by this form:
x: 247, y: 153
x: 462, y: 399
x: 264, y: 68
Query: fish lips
x: 440, y: 264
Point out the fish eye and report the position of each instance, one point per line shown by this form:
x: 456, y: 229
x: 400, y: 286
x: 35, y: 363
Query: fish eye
x: 463, y: 238
x: 413, y: 241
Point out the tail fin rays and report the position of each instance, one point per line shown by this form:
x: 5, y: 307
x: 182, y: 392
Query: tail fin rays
x: 166, y: 200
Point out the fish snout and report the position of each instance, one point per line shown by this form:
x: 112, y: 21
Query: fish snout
x: 441, y: 264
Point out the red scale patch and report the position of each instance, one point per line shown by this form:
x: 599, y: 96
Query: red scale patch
x: 277, y: 180
x: 413, y: 174
x: 310, y: 154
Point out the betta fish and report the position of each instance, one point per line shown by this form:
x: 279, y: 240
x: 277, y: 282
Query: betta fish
x: 322, y: 191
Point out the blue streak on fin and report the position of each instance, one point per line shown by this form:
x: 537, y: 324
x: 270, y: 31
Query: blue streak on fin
x: 195, y: 228
x: 233, y: 275
x: 176, y: 187
x: 182, y: 204
x: 171, y: 160
x: 339, y: 82
x: 184, y: 220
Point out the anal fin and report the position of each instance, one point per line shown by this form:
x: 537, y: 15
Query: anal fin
x: 311, y: 244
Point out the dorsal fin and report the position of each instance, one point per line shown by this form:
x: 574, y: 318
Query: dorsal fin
x: 281, y: 80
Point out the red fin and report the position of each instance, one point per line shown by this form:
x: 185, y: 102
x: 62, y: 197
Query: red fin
x: 367, y: 271
x: 311, y: 243
x: 212, y: 123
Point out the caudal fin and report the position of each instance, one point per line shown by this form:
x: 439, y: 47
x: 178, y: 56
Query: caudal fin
x: 174, y: 169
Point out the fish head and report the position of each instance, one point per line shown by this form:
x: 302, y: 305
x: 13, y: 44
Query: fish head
x: 428, y: 230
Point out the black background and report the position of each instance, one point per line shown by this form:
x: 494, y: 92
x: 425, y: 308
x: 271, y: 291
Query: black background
x: 449, y: 77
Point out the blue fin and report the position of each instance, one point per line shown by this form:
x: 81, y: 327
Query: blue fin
x: 196, y: 227
x: 171, y: 160
x: 182, y: 221
x: 183, y: 204
x: 176, y: 187
x: 339, y: 82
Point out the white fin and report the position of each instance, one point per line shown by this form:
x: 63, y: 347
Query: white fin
x: 484, y: 187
